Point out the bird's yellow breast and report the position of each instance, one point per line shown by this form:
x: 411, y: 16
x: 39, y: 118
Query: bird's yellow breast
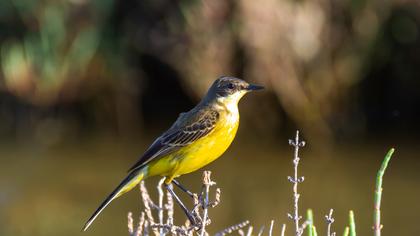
x: 201, y: 152
x: 209, y: 148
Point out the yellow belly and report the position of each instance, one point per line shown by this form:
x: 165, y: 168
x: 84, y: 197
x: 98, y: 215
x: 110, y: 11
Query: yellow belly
x: 197, y: 154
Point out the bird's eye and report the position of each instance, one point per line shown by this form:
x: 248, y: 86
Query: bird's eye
x: 230, y: 86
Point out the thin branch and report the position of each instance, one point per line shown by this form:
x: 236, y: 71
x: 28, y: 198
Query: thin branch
x: 148, y: 205
x: 216, y: 201
x: 196, y: 208
x: 130, y: 224
x: 146, y: 228
x: 169, y: 208
x: 160, y: 210
x: 303, y: 226
x: 270, y: 232
x: 233, y: 228
x: 207, y: 182
x: 141, y: 224
x: 330, y: 220
x: 296, y: 180
x: 283, y: 230
x: 260, y: 232
x: 249, y: 233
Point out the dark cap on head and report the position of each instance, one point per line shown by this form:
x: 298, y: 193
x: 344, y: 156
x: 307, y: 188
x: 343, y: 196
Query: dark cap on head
x: 227, y: 85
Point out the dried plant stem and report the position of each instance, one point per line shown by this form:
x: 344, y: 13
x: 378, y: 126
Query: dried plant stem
x: 146, y: 228
x: 261, y: 231
x: 161, y: 226
x: 330, y: 220
x: 205, y: 204
x: 378, y: 194
x: 170, y: 208
x: 283, y: 230
x: 130, y: 224
x: 160, y: 210
x: 148, y: 205
x: 141, y: 225
x: 249, y: 233
x: 233, y: 228
x: 296, y: 180
x: 270, y: 232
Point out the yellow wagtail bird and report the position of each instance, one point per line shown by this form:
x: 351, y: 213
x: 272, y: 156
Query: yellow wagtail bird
x: 197, y: 138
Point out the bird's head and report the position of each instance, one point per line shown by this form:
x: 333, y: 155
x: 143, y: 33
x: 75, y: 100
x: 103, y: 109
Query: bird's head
x: 229, y: 90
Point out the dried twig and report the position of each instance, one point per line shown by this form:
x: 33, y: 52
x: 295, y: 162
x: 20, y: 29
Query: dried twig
x: 130, y: 224
x: 146, y: 228
x: 249, y: 233
x: 207, y: 182
x: 216, y: 198
x: 201, y: 202
x: 148, y: 205
x: 330, y: 220
x: 261, y: 231
x: 160, y: 210
x: 169, y: 206
x: 296, y: 180
x: 270, y: 232
x: 135, y: 231
x: 141, y: 224
x: 283, y: 229
x: 233, y: 228
x: 378, y: 194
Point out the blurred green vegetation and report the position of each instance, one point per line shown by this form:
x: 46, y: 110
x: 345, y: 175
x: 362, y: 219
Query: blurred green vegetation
x: 86, y: 85
x: 337, y: 69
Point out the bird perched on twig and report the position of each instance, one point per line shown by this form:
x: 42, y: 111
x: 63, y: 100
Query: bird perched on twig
x: 197, y: 138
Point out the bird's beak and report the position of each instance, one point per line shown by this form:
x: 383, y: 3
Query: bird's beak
x: 253, y: 87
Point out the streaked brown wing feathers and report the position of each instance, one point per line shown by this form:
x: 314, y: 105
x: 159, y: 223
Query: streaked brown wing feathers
x: 192, y: 132
x: 181, y: 134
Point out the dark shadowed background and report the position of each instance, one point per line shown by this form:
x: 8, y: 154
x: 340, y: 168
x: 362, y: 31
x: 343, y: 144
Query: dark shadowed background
x: 86, y: 85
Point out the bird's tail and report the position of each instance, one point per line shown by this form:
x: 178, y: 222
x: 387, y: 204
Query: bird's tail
x: 126, y: 185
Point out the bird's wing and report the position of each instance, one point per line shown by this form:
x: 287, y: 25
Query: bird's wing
x: 188, y: 128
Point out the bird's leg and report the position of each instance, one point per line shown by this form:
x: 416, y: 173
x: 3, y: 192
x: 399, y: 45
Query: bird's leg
x: 184, y: 189
x: 184, y: 208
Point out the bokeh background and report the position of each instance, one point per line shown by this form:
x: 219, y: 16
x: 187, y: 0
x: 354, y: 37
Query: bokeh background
x: 86, y: 85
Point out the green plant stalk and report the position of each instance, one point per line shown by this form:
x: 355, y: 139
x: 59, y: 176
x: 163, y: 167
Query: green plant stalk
x: 310, y: 219
x: 346, y: 231
x: 378, y: 194
x: 352, y: 224
x: 314, y: 231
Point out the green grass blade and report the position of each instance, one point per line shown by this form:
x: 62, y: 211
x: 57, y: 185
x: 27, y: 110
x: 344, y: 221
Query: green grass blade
x: 346, y: 231
x: 352, y: 224
x: 314, y: 230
